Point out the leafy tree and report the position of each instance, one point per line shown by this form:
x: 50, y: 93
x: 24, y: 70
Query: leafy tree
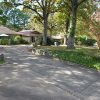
x: 13, y: 17
x: 56, y: 23
x: 3, y: 18
x: 74, y: 7
x: 64, y: 7
x: 18, y: 20
x: 42, y: 8
x: 36, y: 23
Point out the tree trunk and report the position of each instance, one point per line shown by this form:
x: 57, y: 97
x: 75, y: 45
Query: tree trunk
x: 51, y: 33
x: 70, y: 43
x: 67, y: 26
x: 65, y: 39
x: 98, y: 41
x: 45, y: 29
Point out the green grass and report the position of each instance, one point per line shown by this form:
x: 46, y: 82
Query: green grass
x: 87, y: 56
x: 1, y: 62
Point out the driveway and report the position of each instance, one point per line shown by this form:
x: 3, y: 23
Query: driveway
x: 30, y: 77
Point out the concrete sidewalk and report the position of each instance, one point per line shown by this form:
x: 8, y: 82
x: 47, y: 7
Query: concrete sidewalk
x: 29, y: 77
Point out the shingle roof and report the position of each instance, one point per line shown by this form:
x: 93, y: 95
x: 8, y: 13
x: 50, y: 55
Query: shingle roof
x: 29, y: 33
x: 5, y: 30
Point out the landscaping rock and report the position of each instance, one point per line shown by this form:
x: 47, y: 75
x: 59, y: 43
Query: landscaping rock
x: 43, y: 52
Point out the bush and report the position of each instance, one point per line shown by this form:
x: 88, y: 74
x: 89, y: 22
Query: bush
x: 83, y: 40
x: 12, y: 42
x: 22, y: 41
x: 18, y: 39
x: 4, y: 41
x: 50, y: 41
x: 90, y: 42
x: 38, y: 40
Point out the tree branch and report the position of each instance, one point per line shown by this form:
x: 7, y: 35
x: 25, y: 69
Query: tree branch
x: 18, y: 4
x: 68, y: 5
x: 81, y: 2
x: 40, y: 4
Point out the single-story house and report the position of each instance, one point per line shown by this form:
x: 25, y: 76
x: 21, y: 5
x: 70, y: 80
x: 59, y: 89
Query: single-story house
x: 29, y: 35
x: 7, y: 31
x: 58, y: 36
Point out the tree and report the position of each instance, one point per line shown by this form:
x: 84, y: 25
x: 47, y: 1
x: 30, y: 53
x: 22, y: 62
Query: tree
x: 65, y: 9
x: 71, y: 8
x: 74, y: 9
x: 84, y: 19
x: 42, y: 8
x: 18, y: 20
x: 36, y: 23
x: 3, y: 18
x: 95, y: 25
x: 56, y: 23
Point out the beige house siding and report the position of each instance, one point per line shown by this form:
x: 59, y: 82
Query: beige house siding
x: 28, y: 39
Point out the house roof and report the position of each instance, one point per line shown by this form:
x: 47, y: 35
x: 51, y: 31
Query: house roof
x: 5, y: 30
x: 29, y: 33
x: 58, y: 36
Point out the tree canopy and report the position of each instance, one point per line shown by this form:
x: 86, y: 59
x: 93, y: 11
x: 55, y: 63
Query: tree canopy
x: 53, y: 16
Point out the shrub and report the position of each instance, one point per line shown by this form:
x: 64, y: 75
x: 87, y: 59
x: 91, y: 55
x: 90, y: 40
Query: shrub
x: 22, y: 41
x: 83, y: 40
x: 90, y: 42
x: 38, y: 40
x: 18, y: 39
x: 4, y: 41
x: 50, y: 41
x: 12, y: 42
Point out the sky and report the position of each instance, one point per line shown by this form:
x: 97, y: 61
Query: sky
x: 98, y: 5
x: 1, y: 0
x: 19, y: 7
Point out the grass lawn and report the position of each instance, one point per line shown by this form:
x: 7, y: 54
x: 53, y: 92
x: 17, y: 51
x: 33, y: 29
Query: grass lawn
x: 87, y: 56
x: 1, y: 62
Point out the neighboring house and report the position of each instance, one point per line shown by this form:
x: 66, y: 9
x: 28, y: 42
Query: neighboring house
x: 58, y: 36
x: 7, y: 31
x: 29, y: 35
